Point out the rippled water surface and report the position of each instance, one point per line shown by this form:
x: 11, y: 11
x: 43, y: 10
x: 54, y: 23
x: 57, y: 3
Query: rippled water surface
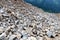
x: 46, y: 5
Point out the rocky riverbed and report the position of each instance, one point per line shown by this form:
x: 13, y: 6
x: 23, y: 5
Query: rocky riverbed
x: 22, y: 21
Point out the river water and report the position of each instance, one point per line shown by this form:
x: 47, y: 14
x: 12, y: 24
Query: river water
x: 46, y: 5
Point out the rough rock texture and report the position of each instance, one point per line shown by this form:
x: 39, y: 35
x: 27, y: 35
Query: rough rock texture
x: 21, y: 21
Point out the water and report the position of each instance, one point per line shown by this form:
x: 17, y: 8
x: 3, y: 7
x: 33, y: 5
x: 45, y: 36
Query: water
x: 46, y: 5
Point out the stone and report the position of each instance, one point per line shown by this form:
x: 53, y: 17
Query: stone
x: 13, y: 37
x: 51, y: 34
x: 39, y: 38
x: 1, y: 29
x: 3, y: 36
x: 31, y: 38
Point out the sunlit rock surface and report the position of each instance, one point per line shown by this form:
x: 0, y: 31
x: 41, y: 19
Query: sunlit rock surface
x: 46, y: 5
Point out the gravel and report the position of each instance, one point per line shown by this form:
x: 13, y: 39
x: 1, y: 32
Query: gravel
x: 22, y: 23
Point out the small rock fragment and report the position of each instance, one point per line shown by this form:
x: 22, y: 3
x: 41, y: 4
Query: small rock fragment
x: 13, y: 37
x: 31, y: 38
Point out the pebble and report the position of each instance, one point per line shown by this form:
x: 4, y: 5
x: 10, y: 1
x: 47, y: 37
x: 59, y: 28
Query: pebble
x: 51, y: 34
x: 39, y: 38
x: 3, y: 36
x: 1, y: 9
x: 26, y: 25
x: 13, y: 37
x: 31, y: 38
x: 1, y: 29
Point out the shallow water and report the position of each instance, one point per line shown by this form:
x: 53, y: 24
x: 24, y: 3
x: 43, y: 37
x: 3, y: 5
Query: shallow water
x: 46, y: 5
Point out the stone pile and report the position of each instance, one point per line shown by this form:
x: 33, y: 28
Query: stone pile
x: 18, y: 22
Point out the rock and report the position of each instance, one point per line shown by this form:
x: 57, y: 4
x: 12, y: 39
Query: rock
x: 18, y: 35
x: 3, y: 36
x: 31, y: 38
x: 1, y: 9
x: 51, y: 34
x: 39, y: 38
x: 13, y: 37
x: 1, y: 29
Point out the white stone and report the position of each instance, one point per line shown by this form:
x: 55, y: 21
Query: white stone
x: 1, y: 29
x: 50, y: 33
x: 31, y: 38
x: 12, y: 37
x: 3, y: 35
x: 39, y: 38
x: 1, y: 10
